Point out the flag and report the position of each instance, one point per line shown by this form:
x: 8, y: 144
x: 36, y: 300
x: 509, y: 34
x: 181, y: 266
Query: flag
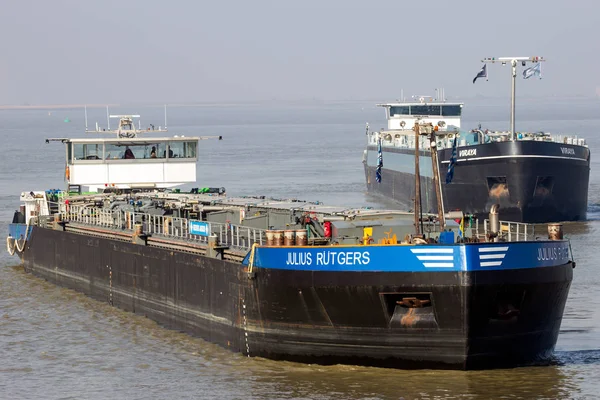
x: 450, y: 173
x: 481, y: 74
x: 379, y: 162
x: 461, y: 227
x: 535, y: 70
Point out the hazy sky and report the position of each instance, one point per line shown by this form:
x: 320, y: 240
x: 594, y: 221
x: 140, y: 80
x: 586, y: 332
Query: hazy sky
x: 119, y: 51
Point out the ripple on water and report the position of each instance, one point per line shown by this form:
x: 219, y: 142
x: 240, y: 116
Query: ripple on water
x: 56, y: 343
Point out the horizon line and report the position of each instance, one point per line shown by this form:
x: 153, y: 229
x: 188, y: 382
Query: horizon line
x: 259, y: 101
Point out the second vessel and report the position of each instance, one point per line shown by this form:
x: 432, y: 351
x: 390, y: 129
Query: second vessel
x: 536, y: 177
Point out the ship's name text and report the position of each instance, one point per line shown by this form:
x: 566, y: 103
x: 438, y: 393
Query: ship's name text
x: 567, y: 150
x: 552, y: 253
x: 328, y: 258
x: 467, y: 153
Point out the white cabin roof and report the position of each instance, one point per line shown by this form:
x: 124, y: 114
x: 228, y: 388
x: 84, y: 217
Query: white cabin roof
x: 416, y: 103
x: 137, y: 140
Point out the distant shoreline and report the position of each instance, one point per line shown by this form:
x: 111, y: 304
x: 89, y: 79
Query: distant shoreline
x: 53, y: 106
x: 281, y: 101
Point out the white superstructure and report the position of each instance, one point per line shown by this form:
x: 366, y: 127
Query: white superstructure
x: 446, y: 118
x: 127, y: 161
x: 425, y: 109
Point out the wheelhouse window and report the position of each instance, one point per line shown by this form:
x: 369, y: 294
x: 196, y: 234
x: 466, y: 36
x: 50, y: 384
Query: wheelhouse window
x: 452, y: 110
x: 180, y: 149
x: 69, y: 151
x: 157, y: 150
x: 87, y: 151
x: 114, y: 151
x: 425, y: 109
x: 133, y: 150
x: 399, y: 110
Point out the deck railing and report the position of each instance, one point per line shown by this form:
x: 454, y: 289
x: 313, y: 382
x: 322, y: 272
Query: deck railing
x: 511, y: 231
x: 405, y: 139
x: 234, y: 236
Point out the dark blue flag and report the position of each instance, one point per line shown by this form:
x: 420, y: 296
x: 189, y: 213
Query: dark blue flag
x: 379, y: 162
x: 450, y: 173
x: 482, y: 73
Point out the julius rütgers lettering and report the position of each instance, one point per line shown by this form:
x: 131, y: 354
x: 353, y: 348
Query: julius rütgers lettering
x: 328, y: 258
x: 553, y: 253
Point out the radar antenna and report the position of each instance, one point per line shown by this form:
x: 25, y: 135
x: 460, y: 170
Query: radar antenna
x: 127, y: 125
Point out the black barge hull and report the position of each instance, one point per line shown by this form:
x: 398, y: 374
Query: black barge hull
x: 534, y: 182
x: 462, y: 320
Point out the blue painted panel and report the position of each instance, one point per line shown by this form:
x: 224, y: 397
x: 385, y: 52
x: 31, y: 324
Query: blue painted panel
x: 424, y: 258
x: 493, y: 256
x: 199, y: 228
x: 361, y: 258
x: 18, y: 231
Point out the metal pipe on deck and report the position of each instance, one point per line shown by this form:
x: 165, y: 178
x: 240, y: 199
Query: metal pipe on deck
x: 494, y: 222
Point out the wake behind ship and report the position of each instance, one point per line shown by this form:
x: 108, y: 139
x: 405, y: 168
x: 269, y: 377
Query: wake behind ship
x: 536, y: 177
x: 288, y: 279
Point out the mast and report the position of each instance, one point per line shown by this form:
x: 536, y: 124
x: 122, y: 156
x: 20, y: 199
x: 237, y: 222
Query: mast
x: 513, y: 62
x: 436, y: 174
x: 417, y: 207
x: 427, y: 129
x: 165, y: 116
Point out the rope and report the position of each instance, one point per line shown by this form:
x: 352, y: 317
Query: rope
x: 571, y: 251
x: 11, y: 250
x: 21, y: 248
x: 16, y: 246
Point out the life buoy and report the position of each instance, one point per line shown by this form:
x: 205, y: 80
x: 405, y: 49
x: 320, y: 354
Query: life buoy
x: 67, y: 173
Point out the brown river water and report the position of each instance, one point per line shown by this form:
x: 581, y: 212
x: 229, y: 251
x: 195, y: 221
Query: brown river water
x: 58, y: 344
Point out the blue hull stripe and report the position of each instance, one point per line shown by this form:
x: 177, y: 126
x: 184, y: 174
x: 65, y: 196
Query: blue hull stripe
x: 402, y: 258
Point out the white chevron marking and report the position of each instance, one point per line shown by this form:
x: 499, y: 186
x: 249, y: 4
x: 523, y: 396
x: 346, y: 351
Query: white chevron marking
x: 492, y: 249
x: 490, y: 263
x: 491, y: 256
x: 438, y: 265
x: 432, y: 251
